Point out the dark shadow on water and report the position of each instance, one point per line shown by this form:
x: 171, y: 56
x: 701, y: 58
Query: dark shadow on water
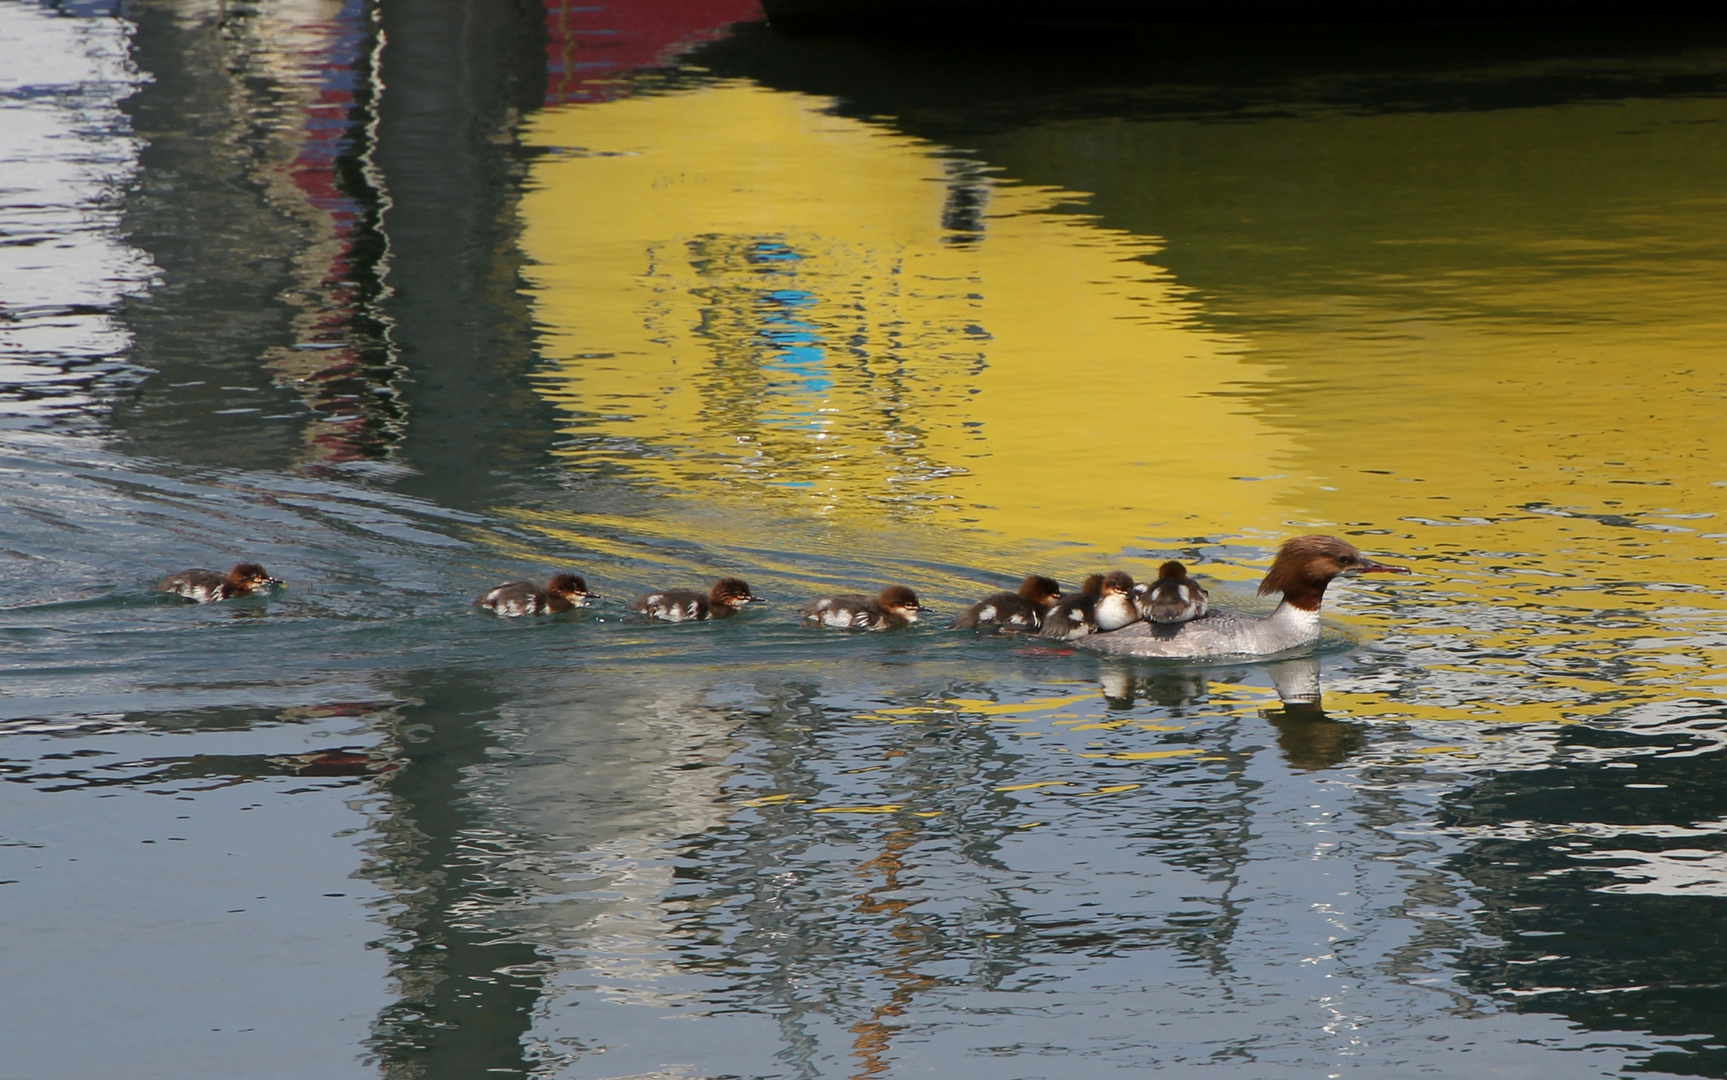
x: 1611, y: 951
x: 459, y: 76
x: 1104, y: 21
x: 466, y: 992
x: 949, y: 88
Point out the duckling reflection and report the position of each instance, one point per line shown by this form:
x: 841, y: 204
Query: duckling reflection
x: 1173, y: 688
x: 1117, y: 689
x: 1176, y: 688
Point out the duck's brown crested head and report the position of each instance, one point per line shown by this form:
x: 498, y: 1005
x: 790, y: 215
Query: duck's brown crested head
x: 1305, y: 565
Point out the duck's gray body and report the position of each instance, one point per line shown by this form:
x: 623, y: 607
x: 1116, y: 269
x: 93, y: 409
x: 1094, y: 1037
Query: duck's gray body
x: 1216, y: 633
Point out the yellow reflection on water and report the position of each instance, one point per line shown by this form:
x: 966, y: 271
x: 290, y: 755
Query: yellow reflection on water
x: 748, y: 298
x: 1477, y: 326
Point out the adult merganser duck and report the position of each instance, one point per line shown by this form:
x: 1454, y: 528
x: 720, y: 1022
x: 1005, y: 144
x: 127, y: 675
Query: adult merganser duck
x: 894, y: 607
x: 1023, y: 610
x: 563, y: 592
x: 203, y: 586
x: 1172, y: 598
x: 721, y: 602
x: 1105, y: 605
x: 1303, y: 568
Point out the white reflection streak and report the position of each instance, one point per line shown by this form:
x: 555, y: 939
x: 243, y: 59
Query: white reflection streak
x: 66, y: 155
x: 1671, y: 872
x: 1678, y: 872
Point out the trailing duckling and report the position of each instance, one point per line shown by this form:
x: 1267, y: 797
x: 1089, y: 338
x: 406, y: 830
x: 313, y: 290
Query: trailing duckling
x: 204, y: 586
x: 1075, y: 616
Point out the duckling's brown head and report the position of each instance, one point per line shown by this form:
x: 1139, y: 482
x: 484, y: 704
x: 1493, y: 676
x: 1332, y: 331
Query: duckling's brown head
x: 1039, y: 590
x: 250, y: 577
x: 901, y: 601
x: 572, y: 588
x: 732, y: 592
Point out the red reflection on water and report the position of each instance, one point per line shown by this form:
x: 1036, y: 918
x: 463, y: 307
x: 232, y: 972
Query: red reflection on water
x: 589, y: 45
x: 327, y: 57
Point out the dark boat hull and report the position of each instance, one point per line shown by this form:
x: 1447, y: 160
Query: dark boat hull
x: 892, y: 15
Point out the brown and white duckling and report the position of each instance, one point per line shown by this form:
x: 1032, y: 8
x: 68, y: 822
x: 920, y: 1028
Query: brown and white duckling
x: 1074, y: 616
x: 722, y: 602
x: 1022, y: 610
x: 203, y: 586
x: 1172, y: 598
x: 563, y: 592
x: 1115, y: 602
x: 894, y: 607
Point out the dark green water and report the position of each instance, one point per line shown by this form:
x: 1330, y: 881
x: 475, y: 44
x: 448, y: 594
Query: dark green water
x: 263, y: 294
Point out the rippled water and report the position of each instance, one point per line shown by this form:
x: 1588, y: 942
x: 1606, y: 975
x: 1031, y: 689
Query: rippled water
x: 405, y: 303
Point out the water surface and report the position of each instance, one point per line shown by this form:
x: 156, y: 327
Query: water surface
x: 839, y: 314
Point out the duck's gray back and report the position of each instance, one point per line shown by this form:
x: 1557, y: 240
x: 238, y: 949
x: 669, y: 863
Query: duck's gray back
x: 1216, y: 633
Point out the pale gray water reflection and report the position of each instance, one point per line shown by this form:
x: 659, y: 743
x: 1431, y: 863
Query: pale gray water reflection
x: 266, y: 296
x: 887, y: 890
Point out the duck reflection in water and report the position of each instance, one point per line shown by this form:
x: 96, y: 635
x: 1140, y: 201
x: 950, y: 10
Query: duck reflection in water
x: 1309, y: 739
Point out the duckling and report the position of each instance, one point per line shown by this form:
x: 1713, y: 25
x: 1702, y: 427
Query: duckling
x: 563, y: 592
x: 1172, y: 598
x: 1074, y: 613
x: 722, y: 602
x: 894, y: 607
x: 1115, y: 602
x: 203, y: 586
x: 1108, y: 607
x: 1022, y: 610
